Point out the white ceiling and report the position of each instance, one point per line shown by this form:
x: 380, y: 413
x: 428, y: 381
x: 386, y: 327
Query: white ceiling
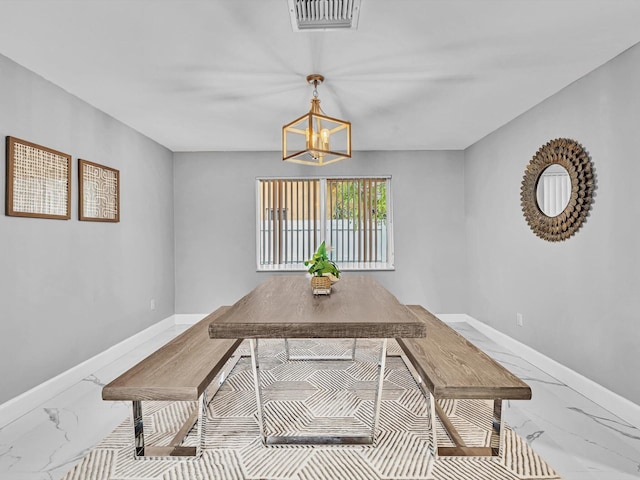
x: 227, y: 74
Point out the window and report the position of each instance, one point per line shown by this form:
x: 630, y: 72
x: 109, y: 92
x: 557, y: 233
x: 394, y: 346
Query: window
x: 352, y: 215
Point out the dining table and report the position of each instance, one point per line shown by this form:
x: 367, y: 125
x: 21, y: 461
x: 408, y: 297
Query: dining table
x: 284, y: 307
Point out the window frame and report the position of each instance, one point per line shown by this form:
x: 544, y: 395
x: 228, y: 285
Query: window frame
x: 389, y: 265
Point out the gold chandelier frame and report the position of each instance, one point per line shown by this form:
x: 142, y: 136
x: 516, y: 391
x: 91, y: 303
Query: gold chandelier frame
x: 311, y: 138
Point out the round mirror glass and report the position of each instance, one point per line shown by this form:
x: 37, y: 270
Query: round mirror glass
x: 553, y: 190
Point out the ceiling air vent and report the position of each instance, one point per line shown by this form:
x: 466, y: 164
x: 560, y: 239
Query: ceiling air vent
x: 309, y: 15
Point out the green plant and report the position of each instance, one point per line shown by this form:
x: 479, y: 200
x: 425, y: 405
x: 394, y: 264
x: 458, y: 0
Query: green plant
x: 320, y: 264
x: 349, y: 198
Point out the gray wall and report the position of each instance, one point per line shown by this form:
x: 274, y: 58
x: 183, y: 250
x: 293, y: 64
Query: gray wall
x: 71, y: 289
x: 580, y: 298
x: 215, y: 224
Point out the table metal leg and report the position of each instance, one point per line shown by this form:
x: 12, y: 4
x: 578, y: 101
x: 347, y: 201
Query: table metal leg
x: 317, y: 439
x: 378, y: 399
x: 255, y: 366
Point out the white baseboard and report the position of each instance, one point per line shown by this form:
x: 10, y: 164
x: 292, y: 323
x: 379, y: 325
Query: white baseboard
x: 27, y: 401
x: 188, y: 318
x: 454, y: 317
x: 616, y: 404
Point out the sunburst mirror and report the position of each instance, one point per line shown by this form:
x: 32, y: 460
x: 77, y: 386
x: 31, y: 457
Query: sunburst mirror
x: 557, y: 189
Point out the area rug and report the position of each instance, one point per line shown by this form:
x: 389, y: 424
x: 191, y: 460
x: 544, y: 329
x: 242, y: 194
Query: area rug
x: 312, y: 397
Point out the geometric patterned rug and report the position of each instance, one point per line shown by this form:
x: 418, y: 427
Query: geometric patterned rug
x: 312, y: 397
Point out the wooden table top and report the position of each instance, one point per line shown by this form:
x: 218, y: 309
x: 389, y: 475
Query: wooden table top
x: 284, y: 307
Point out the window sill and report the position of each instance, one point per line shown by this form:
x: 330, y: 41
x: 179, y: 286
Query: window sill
x: 344, y: 267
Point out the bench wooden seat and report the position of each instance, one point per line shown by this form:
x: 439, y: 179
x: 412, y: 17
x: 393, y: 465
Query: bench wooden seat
x: 181, y: 370
x: 451, y: 367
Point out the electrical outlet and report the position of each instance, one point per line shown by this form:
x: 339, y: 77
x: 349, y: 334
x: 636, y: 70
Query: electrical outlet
x: 152, y: 304
x: 519, y: 320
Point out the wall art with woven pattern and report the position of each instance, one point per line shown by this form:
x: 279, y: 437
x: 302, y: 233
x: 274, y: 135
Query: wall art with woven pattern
x: 99, y: 192
x: 38, y: 181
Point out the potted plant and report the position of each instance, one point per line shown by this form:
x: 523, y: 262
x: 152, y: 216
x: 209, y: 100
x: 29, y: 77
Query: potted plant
x: 323, y: 271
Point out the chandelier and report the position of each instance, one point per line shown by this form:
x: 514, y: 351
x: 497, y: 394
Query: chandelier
x: 314, y: 138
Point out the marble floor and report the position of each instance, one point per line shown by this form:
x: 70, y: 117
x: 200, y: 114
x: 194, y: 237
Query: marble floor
x: 577, y: 437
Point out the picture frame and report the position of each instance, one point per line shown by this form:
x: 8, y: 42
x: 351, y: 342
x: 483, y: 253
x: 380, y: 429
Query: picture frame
x: 99, y: 186
x: 38, y: 181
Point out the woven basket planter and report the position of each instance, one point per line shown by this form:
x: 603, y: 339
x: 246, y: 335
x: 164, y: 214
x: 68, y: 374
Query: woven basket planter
x: 321, y: 285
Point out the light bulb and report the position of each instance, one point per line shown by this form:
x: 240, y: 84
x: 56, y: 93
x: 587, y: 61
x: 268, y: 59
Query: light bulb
x: 324, y: 135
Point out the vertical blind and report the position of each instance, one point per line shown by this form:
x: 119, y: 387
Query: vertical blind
x: 357, y: 209
x: 349, y: 214
x: 290, y: 217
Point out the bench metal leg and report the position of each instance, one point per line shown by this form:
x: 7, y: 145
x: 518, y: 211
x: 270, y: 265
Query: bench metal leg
x: 198, y: 417
x: 432, y: 425
x: 318, y: 439
x: 460, y: 448
x: 319, y: 357
x: 138, y: 429
x: 141, y: 450
x: 497, y: 432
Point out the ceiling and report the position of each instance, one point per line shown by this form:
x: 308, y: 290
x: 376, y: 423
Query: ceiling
x: 198, y: 75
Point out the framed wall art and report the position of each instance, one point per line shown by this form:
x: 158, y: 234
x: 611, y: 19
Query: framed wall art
x: 99, y: 192
x: 38, y: 181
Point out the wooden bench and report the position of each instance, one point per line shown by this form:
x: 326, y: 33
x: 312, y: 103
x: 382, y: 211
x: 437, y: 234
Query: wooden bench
x: 181, y: 370
x: 453, y: 368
